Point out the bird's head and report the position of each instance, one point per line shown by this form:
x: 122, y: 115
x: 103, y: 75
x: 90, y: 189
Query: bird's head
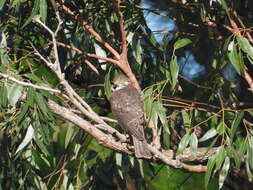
x: 119, y: 82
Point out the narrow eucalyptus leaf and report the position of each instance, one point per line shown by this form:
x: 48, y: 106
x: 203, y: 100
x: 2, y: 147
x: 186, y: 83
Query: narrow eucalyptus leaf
x: 183, y: 143
x: 245, y: 45
x: 209, y: 134
x: 35, y: 11
x: 224, y: 172
x: 181, y: 43
x: 14, y: 93
x: 210, y: 166
x: 43, y: 10
x: 107, y: 85
x: 174, y: 70
x: 193, y: 143
x: 28, y: 137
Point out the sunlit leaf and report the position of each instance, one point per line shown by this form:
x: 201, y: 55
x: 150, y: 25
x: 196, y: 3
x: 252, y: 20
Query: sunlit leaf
x: 181, y: 43
x: 27, y: 139
x: 183, y: 143
x: 43, y: 10
x: 193, y: 143
x: 224, y: 172
x: 186, y: 119
x: 221, y: 128
x: 118, y: 158
x: 220, y: 156
x: 245, y: 45
x: 100, y: 52
x: 14, y: 93
x: 209, y: 134
x: 2, y: 2
x: 236, y: 60
x: 249, y: 171
x: 174, y: 70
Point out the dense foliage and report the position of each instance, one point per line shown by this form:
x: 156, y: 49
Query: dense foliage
x: 211, y: 108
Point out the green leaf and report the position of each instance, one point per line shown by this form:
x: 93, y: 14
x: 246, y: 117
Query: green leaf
x: 2, y: 2
x: 224, y: 172
x: 174, y: 70
x: 45, y: 169
x: 250, y: 155
x: 148, y: 101
x: 41, y: 103
x: 220, y: 156
x: 193, y: 143
x: 209, y: 134
x: 107, y: 85
x: 28, y: 137
x: 186, y: 119
x: 4, y: 96
x: 245, y: 45
x: 100, y: 52
x: 183, y: 143
x: 232, y: 153
x: 14, y: 93
x: 249, y: 172
x: 224, y: 5
x: 43, y: 10
x: 160, y: 110
x: 221, y: 128
x: 118, y: 157
x: 137, y: 51
x: 35, y: 11
x: 181, y: 43
x: 235, y: 123
x: 209, y: 171
x: 241, y: 151
x: 236, y: 60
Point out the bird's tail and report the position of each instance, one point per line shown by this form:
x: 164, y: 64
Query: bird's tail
x: 141, y: 148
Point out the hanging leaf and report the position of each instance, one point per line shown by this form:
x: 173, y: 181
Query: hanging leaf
x: 14, y: 93
x: 174, y: 70
x: 181, y: 43
x: 209, y: 134
x: 235, y: 60
x: 193, y: 143
x: 245, y: 45
x: 224, y: 5
x: 43, y: 10
x: 183, y: 143
x: 107, y: 84
x: 35, y: 11
x: 2, y: 2
x: 220, y: 156
x: 209, y: 171
x: 224, y: 172
x: 28, y: 137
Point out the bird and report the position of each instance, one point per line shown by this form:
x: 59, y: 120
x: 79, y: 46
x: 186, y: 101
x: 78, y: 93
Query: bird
x: 127, y: 106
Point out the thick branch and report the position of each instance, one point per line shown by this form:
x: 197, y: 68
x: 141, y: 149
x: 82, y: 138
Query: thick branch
x: 102, y: 138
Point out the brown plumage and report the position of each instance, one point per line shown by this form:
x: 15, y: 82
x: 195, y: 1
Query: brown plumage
x: 127, y: 106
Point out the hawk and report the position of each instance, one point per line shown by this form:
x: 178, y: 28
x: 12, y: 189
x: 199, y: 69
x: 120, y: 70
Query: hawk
x: 127, y: 107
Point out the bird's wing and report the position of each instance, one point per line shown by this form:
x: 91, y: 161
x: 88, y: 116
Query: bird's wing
x: 127, y: 106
